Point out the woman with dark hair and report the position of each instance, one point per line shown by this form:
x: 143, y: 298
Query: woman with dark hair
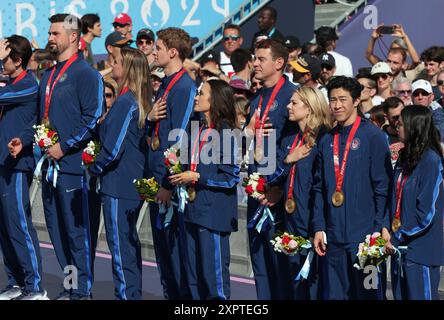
x: 416, y: 208
x: 120, y: 161
x: 212, y: 176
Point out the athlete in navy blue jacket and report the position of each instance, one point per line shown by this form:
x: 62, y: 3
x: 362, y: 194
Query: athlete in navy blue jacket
x: 18, y: 238
x: 120, y: 161
x: 350, y: 191
x: 212, y: 215
x: 271, y: 57
x: 71, y: 100
x: 296, y: 157
x: 416, y: 208
x: 178, y: 89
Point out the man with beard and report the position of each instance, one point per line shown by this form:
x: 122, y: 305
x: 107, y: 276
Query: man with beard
x: 71, y: 102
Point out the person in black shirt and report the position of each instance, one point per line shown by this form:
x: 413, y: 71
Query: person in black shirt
x: 267, y: 27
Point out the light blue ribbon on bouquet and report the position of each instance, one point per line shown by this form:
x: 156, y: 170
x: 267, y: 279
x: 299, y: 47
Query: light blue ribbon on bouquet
x: 165, y: 214
x: 182, y: 197
x: 263, y: 212
x: 399, y: 251
x: 53, y: 170
x: 305, y: 270
x: 88, y: 179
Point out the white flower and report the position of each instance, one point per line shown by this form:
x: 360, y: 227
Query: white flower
x: 47, y: 142
x: 293, y: 245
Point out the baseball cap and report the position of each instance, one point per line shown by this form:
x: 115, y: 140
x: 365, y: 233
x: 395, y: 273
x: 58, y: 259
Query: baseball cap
x: 158, y: 72
x: 210, y: 55
x: 381, y: 67
x: 422, y: 84
x: 307, y: 63
x: 123, y: 19
x: 292, y: 42
x: 239, y: 84
x: 326, y: 33
x: 116, y: 39
x: 328, y: 59
x: 145, y: 32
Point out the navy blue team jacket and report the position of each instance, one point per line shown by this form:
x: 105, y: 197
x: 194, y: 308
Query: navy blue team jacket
x: 122, y: 155
x: 366, y: 185
x: 180, y: 103
x: 19, y: 103
x: 215, y: 206
x: 422, y: 208
x: 76, y: 105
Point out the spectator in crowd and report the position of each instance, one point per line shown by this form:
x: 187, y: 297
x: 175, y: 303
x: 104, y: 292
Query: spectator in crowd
x: 267, y: 26
x: 209, y: 67
x: 145, y: 43
x: 400, y: 46
x: 242, y: 62
x: 368, y: 91
x: 256, y: 84
x: 232, y: 40
x: 91, y: 29
x: 83, y: 49
x: 242, y: 106
x: 440, y: 83
x: 377, y: 116
x: 382, y: 74
x: 113, y: 42
x: 326, y: 38
x: 294, y: 51
x: 124, y: 24
x: 240, y: 88
x: 156, y: 79
x: 41, y: 60
x: 392, y: 110
x: 310, y: 48
x: 328, y: 68
x: 402, y: 88
x: 415, y: 208
x: 307, y: 71
x: 110, y: 95
x: 433, y: 58
x: 423, y: 95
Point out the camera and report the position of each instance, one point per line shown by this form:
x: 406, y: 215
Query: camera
x: 386, y: 29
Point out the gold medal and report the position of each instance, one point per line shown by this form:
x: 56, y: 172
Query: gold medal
x: 396, y: 224
x: 290, y: 206
x: 155, y: 143
x: 191, y: 193
x: 338, y: 198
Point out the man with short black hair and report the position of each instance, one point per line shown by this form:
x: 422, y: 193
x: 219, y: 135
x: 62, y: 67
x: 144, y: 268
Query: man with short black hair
x: 392, y: 109
x: 145, y: 43
x: 231, y: 41
x: 91, y: 29
x: 242, y: 62
x: 124, y: 24
x: 267, y: 27
x: 433, y: 58
x: 294, y: 50
x: 368, y: 91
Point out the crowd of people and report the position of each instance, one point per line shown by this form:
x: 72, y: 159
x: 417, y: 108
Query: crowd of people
x: 353, y: 154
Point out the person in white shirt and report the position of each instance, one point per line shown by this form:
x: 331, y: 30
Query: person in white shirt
x: 326, y: 38
x: 232, y: 40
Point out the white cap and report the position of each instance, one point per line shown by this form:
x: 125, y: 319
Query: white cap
x: 381, y: 67
x: 158, y: 72
x: 422, y: 84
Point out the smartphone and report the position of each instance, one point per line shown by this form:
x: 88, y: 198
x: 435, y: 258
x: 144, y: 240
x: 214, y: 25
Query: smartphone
x: 387, y: 29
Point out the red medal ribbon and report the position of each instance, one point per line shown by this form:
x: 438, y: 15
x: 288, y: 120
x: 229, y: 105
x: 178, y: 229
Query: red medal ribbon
x: 16, y: 80
x: 167, y: 92
x: 399, y: 188
x: 124, y: 90
x: 260, y: 123
x: 298, y: 143
x: 50, y: 87
x: 195, y: 156
x: 340, y: 173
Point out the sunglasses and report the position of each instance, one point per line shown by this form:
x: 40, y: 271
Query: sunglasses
x: 440, y: 82
x: 384, y: 76
x: 108, y: 95
x: 234, y: 38
x: 326, y: 66
x: 404, y: 92
x: 142, y: 42
x: 423, y: 93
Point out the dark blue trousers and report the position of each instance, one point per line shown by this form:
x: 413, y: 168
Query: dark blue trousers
x: 343, y: 281
x: 170, y: 250
x: 208, y: 263
x: 271, y: 269
x: 305, y: 289
x: 123, y: 241
x: 18, y: 238
x: 67, y: 220
x: 95, y: 206
x: 418, y: 282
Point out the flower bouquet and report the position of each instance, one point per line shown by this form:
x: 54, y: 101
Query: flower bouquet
x: 371, y: 252
x: 147, y: 188
x: 289, y: 244
x: 90, y: 153
x: 172, y: 162
x: 254, y: 185
x: 44, y: 136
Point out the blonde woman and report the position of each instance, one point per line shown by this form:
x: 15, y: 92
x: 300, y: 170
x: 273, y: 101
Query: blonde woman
x: 120, y: 161
x: 296, y: 157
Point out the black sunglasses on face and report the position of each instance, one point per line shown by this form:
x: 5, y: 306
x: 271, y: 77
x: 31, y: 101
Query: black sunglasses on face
x: 384, y: 76
x: 108, y: 95
x: 420, y: 92
x: 440, y: 82
x: 234, y: 38
x: 326, y: 66
x: 142, y: 42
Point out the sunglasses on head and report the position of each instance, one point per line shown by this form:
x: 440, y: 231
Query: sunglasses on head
x: 234, y: 38
x: 440, y: 82
x: 326, y: 66
x: 421, y: 92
